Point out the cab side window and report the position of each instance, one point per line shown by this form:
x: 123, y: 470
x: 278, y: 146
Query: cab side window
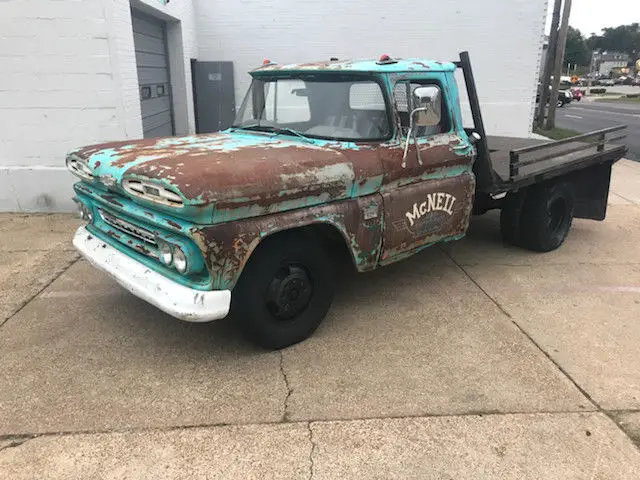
x: 403, y: 99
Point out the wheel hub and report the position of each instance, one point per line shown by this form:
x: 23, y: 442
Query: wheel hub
x: 289, y: 292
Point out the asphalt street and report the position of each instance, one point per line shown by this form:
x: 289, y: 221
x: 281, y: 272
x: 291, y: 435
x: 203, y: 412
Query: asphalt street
x: 588, y: 116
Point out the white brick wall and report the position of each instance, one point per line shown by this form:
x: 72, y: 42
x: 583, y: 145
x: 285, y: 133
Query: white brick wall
x: 504, y: 39
x: 68, y: 75
x: 68, y: 78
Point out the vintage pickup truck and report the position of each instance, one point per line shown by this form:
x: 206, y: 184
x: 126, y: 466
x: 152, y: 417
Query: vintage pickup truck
x: 326, y: 162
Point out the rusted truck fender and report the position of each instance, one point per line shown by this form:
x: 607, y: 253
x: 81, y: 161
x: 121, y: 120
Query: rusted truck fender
x: 227, y: 247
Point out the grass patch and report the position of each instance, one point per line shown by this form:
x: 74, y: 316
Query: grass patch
x: 606, y: 94
x: 556, y: 133
x: 619, y: 100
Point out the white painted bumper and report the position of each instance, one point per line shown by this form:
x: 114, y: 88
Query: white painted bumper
x: 177, y: 300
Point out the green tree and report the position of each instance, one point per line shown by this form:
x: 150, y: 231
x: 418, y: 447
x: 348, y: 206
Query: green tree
x: 592, y: 42
x: 576, y: 51
x: 623, y: 38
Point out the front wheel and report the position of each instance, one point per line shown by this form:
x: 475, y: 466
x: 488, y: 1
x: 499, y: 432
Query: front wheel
x: 285, y: 291
x: 559, y: 103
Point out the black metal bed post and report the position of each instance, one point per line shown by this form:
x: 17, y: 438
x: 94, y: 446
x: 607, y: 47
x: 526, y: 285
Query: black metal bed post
x: 485, y: 175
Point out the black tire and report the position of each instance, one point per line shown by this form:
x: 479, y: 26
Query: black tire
x: 546, y: 216
x: 559, y: 104
x: 510, y: 216
x: 285, y: 290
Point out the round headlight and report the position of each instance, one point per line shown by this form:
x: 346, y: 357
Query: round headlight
x: 179, y: 260
x: 166, y: 256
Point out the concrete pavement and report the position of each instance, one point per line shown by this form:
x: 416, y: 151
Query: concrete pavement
x: 475, y: 360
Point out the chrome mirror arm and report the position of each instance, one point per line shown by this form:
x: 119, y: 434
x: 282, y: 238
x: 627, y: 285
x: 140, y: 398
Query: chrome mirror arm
x: 411, y: 133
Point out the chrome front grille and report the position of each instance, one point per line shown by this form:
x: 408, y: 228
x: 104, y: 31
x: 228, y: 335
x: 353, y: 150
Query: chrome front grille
x: 128, y: 228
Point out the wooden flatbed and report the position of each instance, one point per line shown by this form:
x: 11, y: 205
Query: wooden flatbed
x: 507, y: 169
x: 506, y: 164
x: 523, y: 161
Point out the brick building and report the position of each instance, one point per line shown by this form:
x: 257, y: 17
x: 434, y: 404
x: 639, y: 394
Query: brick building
x: 80, y: 72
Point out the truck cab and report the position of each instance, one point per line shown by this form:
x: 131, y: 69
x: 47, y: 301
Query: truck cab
x: 365, y: 162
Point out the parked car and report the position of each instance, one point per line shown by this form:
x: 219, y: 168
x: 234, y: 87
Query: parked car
x: 564, y: 98
x: 327, y: 164
x: 607, y: 82
x: 577, y: 94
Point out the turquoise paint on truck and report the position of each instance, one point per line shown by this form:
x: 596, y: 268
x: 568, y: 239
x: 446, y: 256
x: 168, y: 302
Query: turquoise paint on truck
x: 255, y: 184
x: 364, y: 66
x: 260, y: 211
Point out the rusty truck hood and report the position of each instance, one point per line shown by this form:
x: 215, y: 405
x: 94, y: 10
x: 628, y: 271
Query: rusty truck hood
x: 237, y: 174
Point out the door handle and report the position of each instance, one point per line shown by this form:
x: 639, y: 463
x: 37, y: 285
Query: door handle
x: 461, y: 145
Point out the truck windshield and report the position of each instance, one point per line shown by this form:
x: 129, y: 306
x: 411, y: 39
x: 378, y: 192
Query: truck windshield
x: 328, y: 107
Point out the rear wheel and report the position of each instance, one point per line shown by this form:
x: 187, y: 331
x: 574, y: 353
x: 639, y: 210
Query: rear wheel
x: 285, y: 291
x: 547, y: 216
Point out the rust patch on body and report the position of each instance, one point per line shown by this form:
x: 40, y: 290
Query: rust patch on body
x: 112, y: 199
x: 424, y: 213
x: 142, y: 249
x: 227, y: 247
x: 433, y: 157
x: 250, y: 172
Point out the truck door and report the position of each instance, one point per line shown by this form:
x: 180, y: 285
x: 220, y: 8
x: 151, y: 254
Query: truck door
x: 427, y: 198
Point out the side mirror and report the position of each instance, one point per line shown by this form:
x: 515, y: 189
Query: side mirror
x: 426, y: 101
x: 425, y: 114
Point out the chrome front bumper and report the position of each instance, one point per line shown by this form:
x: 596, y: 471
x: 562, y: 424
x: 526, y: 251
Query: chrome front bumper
x: 177, y: 300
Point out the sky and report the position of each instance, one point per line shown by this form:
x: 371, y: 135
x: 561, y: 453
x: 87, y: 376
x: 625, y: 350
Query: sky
x: 592, y: 15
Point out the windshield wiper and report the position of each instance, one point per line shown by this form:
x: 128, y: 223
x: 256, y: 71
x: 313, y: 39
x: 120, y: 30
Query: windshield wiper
x: 274, y: 129
x: 292, y: 132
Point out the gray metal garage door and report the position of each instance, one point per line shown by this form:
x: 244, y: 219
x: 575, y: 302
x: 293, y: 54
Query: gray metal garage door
x: 150, y: 40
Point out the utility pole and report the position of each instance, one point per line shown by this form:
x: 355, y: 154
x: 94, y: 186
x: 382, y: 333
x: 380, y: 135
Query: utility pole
x: 590, y: 76
x: 548, y: 65
x: 562, y: 40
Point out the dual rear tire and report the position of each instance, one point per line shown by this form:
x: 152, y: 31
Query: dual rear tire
x: 538, y: 218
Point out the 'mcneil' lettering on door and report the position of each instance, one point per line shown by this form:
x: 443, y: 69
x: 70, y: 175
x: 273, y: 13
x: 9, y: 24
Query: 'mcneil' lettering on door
x: 436, y: 202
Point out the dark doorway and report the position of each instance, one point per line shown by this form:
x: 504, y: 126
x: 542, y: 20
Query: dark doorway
x: 213, y: 95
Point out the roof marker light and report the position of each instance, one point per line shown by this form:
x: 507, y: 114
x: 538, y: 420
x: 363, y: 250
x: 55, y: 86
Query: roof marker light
x: 385, y: 60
